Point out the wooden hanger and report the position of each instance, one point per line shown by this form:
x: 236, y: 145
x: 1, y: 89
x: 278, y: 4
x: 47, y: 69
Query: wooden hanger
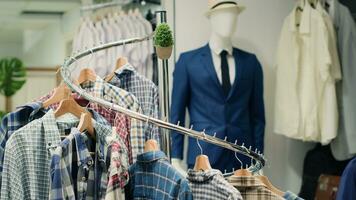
x: 151, y: 145
x: 269, y: 185
x: 69, y: 106
x: 119, y: 63
x: 202, y: 163
x: 242, y: 172
x: 60, y: 93
x: 86, y: 75
x: 86, y: 124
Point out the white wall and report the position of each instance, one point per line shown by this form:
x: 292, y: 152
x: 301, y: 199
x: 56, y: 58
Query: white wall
x: 258, y: 31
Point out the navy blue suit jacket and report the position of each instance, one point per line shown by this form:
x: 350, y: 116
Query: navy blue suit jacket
x: 240, y: 116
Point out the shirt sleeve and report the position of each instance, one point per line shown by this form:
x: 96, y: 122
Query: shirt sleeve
x: 184, y: 191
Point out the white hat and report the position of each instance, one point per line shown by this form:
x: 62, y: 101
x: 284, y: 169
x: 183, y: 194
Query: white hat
x: 223, y: 4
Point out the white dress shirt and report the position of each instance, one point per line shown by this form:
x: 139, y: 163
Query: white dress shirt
x: 216, y: 49
x: 305, y: 103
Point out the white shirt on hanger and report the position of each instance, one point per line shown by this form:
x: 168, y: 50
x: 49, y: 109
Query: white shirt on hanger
x: 216, y: 49
x: 305, y: 103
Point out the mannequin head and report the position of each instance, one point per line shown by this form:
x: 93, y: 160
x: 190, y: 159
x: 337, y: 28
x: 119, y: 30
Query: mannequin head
x: 223, y: 22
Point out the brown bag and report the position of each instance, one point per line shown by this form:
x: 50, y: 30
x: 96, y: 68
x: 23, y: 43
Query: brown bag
x: 327, y: 187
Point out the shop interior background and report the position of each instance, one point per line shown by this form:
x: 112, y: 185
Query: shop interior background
x: 40, y: 32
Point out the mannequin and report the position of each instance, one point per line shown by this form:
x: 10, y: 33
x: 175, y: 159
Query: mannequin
x: 223, y: 25
x: 222, y: 87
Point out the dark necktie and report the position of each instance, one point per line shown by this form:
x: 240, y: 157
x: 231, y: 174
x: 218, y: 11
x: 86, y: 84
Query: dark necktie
x: 225, y: 75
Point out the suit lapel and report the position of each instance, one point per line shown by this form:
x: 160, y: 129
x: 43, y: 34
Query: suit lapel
x: 238, y: 72
x: 207, y: 59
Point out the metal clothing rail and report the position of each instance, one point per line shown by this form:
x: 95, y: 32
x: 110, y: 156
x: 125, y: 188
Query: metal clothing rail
x: 66, y: 75
x: 105, y: 5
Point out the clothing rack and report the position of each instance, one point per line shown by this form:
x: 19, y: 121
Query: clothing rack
x: 66, y: 75
x: 105, y: 5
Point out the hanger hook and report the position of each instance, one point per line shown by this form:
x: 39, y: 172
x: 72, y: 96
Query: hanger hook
x: 201, y: 149
x: 238, y: 160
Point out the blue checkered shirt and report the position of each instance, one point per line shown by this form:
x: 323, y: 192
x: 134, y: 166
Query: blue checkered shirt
x: 15, y: 120
x: 153, y: 177
x: 146, y: 92
x: 28, y: 155
x: 76, y: 175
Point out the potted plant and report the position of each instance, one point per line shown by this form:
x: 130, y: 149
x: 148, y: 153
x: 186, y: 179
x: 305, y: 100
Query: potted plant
x: 12, y: 78
x: 163, y: 41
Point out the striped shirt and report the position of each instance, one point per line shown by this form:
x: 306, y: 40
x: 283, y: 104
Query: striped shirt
x: 211, y: 185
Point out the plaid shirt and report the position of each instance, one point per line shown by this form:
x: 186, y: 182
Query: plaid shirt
x: 291, y: 196
x: 251, y: 188
x: 144, y: 90
x: 152, y: 177
x: 75, y: 174
x: 211, y: 185
x: 130, y: 130
x: 14, y: 121
x: 27, y: 157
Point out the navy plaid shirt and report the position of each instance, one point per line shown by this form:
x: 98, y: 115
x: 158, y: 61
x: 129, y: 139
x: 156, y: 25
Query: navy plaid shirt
x: 153, y: 177
x: 15, y: 120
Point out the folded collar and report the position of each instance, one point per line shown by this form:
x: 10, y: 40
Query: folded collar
x: 245, y: 181
x: 202, y: 176
x: 305, y: 21
x: 34, y: 106
x: 151, y: 156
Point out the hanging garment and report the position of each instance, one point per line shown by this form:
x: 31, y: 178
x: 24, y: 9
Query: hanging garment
x: 114, y: 118
x: 28, y: 154
x: 343, y: 146
x: 251, y: 188
x: 153, y: 177
x: 76, y: 175
x: 347, y: 186
x: 146, y: 92
x: 211, y: 185
x: 14, y: 121
x: 306, y: 78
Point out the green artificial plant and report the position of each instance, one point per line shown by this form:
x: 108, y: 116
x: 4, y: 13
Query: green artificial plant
x: 12, y: 78
x: 163, y: 36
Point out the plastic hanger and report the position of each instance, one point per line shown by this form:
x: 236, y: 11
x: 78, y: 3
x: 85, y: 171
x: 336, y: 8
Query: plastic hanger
x: 86, y: 124
x: 201, y: 161
x: 60, y: 93
x: 151, y: 145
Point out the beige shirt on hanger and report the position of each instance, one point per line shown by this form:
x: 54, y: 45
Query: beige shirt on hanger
x: 305, y: 103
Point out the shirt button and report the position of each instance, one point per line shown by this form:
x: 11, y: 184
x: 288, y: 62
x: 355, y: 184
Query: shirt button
x: 84, y: 179
x: 90, y: 162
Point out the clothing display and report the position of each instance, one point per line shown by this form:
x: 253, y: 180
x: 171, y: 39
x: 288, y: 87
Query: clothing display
x: 152, y: 177
x: 211, y: 185
x: 307, y: 69
x: 239, y: 116
x: 112, y: 28
x: 86, y: 111
x: 251, y: 188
